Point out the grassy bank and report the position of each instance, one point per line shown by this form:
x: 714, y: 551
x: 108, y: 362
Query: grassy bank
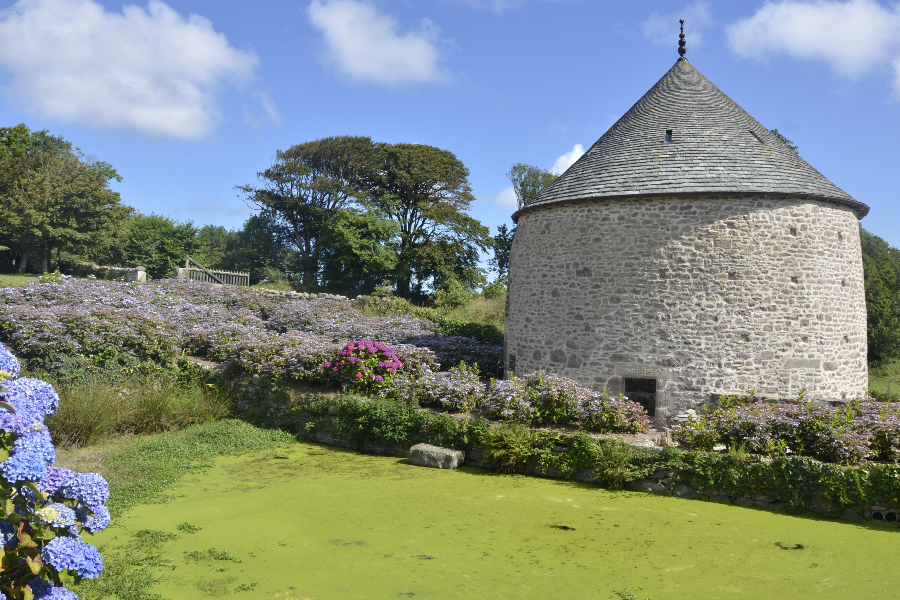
x: 880, y: 375
x: 15, y: 280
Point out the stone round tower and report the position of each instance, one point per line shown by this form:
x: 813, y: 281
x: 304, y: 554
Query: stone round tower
x: 690, y: 254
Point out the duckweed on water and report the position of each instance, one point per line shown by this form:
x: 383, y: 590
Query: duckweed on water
x: 329, y: 524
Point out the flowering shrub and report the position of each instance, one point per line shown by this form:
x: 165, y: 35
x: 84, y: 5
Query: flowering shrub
x: 366, y: 364
x: 556, y: 399
x: 457, y: 390
x: 259, y: 334
x: 845, y: 434
x: 508, y: 399
x: 452, y: 350
x: 45, y: 507
x: 605, y: 414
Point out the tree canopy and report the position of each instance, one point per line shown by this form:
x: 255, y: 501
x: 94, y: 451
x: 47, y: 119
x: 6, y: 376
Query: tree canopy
x: 426, y: 192
x: 528, y: 182
x: 53, y: 198
x: 306, y: 187
x: 881, y: 266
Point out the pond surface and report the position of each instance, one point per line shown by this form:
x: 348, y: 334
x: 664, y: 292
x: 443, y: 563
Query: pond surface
x: 314, y: 522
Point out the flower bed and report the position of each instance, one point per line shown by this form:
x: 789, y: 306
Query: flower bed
x: 265, y: 334
x: 846, y: 434
x: 537, y: 398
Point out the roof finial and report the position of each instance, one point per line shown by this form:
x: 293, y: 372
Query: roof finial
x: 681, y: 42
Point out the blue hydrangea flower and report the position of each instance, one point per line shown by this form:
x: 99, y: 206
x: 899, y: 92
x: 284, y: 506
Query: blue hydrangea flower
x: 31, y: 397
x: 18, y: 424
x: 96, y: 523
x: 59, y: 515
x: 7, y: 532
x: 43, y: 590
x: 23, y: 465
x: 55, y: 478
x: 88, y: 488
x: 38, y: 442
x: 74, y: 554
x: 8, y: 362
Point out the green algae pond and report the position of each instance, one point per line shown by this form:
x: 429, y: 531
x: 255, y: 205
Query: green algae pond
x: 315, y: 522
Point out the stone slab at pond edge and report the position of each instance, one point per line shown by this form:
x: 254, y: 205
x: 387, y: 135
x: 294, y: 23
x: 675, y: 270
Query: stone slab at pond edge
x: 426, y: 455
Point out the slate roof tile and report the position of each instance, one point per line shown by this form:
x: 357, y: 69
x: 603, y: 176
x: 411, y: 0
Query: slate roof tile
x: 716, y: 147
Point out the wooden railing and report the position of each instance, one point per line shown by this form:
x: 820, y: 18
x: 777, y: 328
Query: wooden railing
x: 197, y: 272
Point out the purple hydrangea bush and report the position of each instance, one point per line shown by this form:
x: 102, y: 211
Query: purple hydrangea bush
x: 457, y: 390
x: 847, y: 433
x: 45, y: 508
x: 364, y: 364
x: 551, y: 399
x: 256, y: 334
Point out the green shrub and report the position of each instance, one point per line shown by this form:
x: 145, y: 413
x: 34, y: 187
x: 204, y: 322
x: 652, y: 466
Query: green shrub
x: 486, y: 334
x: 510, y: 445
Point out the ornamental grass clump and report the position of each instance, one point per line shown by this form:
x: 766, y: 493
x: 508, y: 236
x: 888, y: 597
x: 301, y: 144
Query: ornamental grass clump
x: 45, y: 508
x: 367, y: 365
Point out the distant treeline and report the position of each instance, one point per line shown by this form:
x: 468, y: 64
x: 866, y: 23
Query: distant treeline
x: 342, y: 213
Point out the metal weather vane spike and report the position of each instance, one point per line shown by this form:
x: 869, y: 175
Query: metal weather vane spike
x: 681, y: 43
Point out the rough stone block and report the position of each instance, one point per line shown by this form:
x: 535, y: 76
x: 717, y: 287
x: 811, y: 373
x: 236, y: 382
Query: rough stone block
x: 646, y: 485
x: 426, y: 455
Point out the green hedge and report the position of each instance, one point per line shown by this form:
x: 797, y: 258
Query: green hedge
x: 486, y: 334
x: 798, y: 482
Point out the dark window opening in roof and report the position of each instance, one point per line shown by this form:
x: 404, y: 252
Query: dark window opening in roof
x: 668, y: 136
x: 758, y: 139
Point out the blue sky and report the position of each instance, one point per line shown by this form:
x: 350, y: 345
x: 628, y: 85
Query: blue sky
x: 191, y: 97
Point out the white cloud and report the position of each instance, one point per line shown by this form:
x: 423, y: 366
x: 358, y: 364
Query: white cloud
x: 507, y: 198
x: 556, y: 127
x: 367, y: 46
x: 151, y: 71
x: 499, y: 6
x: 567, y: 160
x: 270, y: 111
x: 852, y: 37
x: 663, y: 30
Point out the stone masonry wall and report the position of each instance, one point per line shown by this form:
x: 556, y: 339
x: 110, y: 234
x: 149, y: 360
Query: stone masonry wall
x: 708, y: 296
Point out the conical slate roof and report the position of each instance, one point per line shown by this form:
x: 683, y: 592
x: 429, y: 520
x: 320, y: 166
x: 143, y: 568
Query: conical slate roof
x: 716, y: 148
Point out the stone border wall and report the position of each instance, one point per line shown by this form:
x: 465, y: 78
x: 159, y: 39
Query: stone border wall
x: 129, y: 274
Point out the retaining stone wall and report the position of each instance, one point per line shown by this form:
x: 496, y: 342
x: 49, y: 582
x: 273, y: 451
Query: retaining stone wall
x: 708, y: 296
x: 129, y: 274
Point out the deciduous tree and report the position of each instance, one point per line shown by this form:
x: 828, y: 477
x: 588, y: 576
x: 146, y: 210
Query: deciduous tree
x: 306, y: 187
x: 426, y: 191
x: 528, y: 182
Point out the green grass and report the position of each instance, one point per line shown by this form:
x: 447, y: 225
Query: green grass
x: 880, y: 375
x: 311, y: 522
x: 15, y: 280
x: 139, y: 468
x: 486, y: 311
